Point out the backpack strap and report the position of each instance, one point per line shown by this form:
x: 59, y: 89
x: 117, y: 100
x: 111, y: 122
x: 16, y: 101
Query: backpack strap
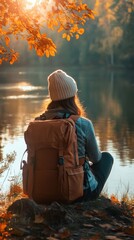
x: 74, y: 117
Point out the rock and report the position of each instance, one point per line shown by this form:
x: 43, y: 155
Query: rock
x: 114, y: 211
x: 26, y: 208
x: 55, y: 214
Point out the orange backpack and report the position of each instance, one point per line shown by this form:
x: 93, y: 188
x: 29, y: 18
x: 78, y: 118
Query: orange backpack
x: 52, y: 171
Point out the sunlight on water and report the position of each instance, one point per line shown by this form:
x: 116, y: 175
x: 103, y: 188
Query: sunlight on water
x: 23, y: 86
x: 23, y: 97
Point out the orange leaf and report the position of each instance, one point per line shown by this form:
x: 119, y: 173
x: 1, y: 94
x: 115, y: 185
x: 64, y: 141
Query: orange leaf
x: 47, y: 53
x: 114, y: 199
x: 2, y: 226
x: 129, y: 230
x: 60, y: 29
x: 64, y: 35
x: 64, y: 233
x: 40, y: 53
x: 52, y: 53
x: 68, y: 38
x: 77, y: 36
x: 7, y: 40
x: 81, y: 31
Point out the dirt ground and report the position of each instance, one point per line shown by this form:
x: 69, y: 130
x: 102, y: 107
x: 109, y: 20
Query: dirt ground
x: 101, y: 219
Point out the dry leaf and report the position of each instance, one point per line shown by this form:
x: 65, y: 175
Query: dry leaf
x: 110, y: 237
x: 87, y: 214
x: 2, y: 226
x: 129, y: 230
x: 38, y: 219
x: 114, y: 199
x: 106, y: 225
x: 88, y: 225
x: 52, y: 238
x: 19, y: 232
x: 63, y: 233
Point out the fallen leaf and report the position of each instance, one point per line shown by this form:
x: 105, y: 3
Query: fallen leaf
x: 129, y: 230
x: 114, y: 199
x: 106, y: 225
x: 2, y: 226
x: 95, y: 219
x: 121, y: 234
x: 88, y: 225
x: 52, y: 238
x: 87, y: 214
x: 110, y: 237
x: 63, y: 233
x: 19, y: 232
x: 38, y: 219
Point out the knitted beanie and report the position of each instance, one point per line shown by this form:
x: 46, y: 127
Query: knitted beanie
x: 61, y: 86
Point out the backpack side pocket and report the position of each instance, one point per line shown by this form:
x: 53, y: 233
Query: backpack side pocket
x: 73, y: 183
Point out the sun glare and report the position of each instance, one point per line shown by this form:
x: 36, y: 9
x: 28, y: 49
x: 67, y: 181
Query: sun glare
x: 25, y: 86
x: 31, y: 3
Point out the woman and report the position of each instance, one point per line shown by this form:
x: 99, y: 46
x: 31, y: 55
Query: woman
x: 64, y: 102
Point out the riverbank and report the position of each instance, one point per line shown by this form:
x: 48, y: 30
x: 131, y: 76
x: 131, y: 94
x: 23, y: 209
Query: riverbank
x: 104, y: 218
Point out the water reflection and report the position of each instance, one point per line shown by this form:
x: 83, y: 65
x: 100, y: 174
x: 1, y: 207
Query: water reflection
x: 108, y: 104
x: 107, y: 97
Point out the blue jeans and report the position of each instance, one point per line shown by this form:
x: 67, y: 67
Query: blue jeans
x: 101, y: 171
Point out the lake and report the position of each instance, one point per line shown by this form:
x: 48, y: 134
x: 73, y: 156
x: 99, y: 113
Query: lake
x: 108, y: 97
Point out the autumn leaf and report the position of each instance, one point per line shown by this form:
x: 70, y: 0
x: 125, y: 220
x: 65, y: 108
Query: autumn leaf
x: 111, y: 237
x: 52, y: 238
x: 64, y: 35
x: 81, y: 31
x: 63, y: 233
x: 47, y: 53
x: 87, y: 214
x: 68, y: 37
x: 60, y: 29
x: 77, y: 36
x: 52, y: 53
x: 7, y: 41
x: 129, y: 230
x: 40, y: 53
x: 114, y: 199
x: 106, y: 226
x: 38, y: 219
x: 2, y: 226
x: 87, y: 225
x: 14, y: 58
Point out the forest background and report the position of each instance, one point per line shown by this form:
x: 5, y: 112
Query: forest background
x: 107, y: 40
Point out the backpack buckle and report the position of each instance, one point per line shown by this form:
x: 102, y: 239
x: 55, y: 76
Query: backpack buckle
x: 61, y: 160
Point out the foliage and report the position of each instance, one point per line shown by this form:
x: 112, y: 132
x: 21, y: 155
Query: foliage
x: 5, y: 162
x: 30, y: 24
x: 113, y: 19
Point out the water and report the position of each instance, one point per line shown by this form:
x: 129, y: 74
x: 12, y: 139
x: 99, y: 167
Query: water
x: 108, y: 99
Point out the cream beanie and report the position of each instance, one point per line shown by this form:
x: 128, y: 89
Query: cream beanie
x: 61, y: 86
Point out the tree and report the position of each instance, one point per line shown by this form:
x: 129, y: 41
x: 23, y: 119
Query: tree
x: 20, y: 20
x: 125, y: 16
x: 111, y: 31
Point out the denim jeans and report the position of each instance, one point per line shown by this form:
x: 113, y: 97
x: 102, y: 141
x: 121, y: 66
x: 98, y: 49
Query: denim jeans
x: 101, y: 171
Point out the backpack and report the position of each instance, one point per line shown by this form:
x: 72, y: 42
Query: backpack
x: 52, y: 171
